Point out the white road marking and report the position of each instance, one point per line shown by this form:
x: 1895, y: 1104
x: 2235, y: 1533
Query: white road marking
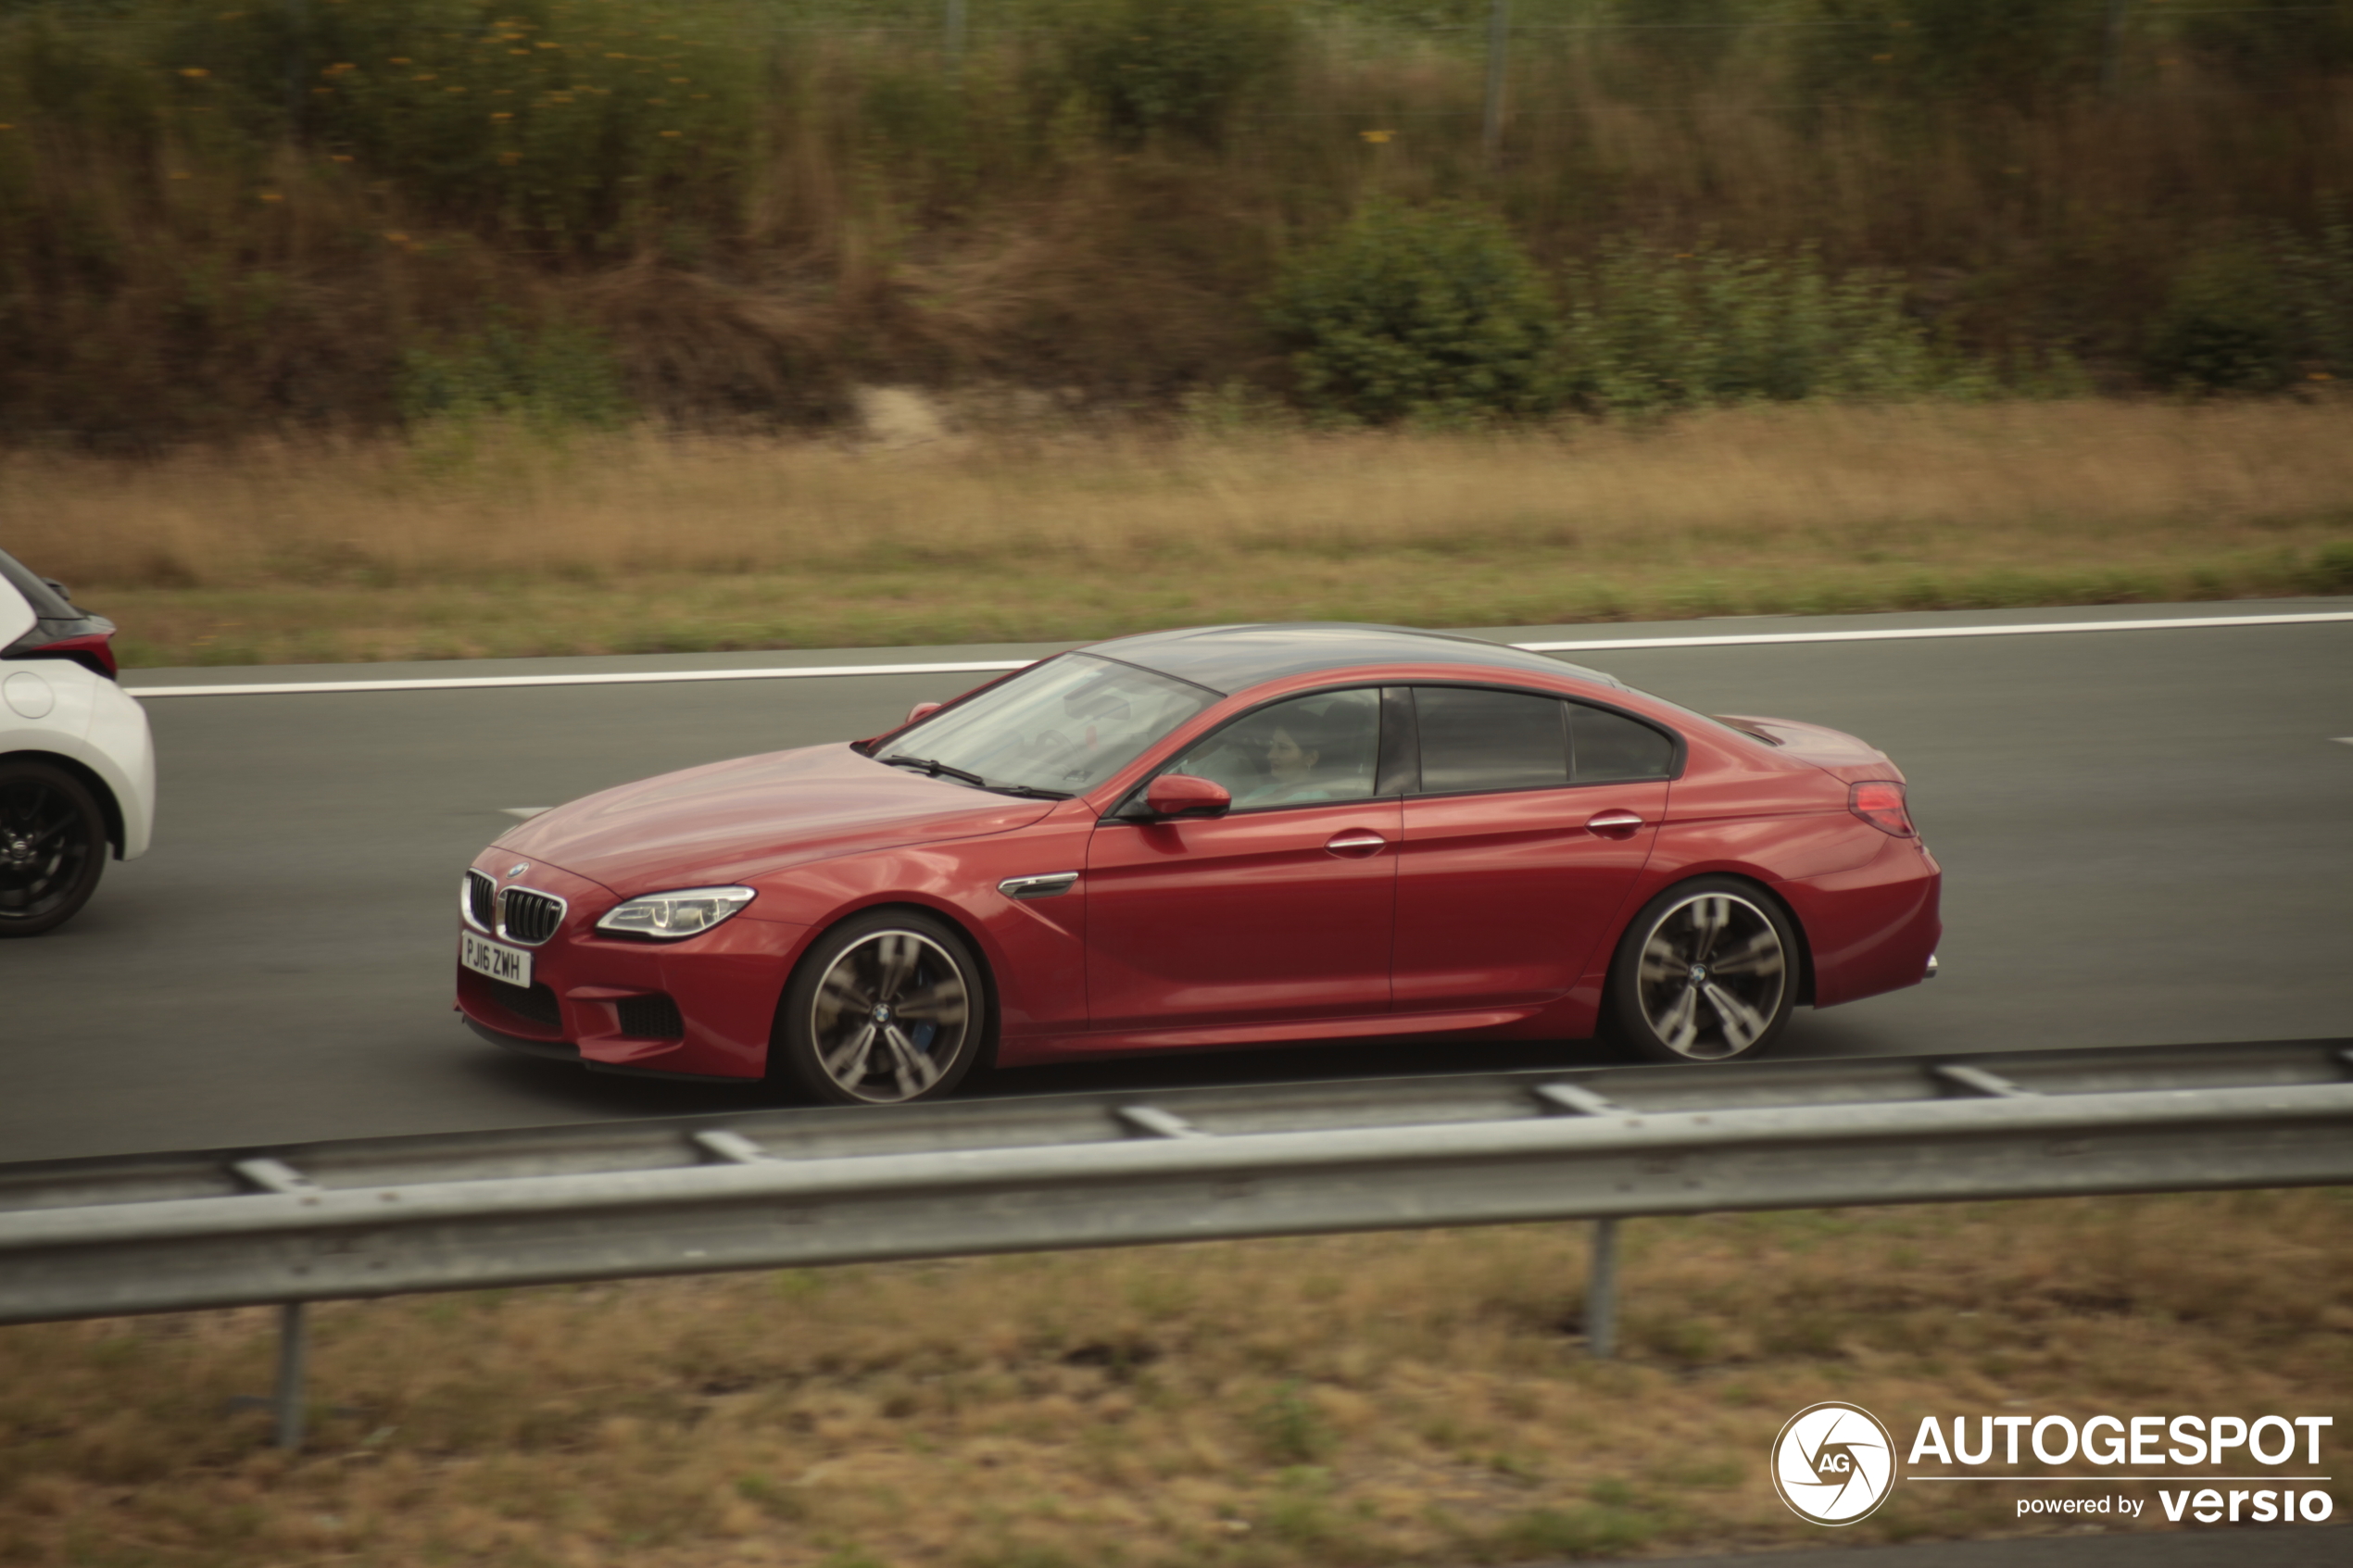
x: 617, y: 678
x: 525, y: 812
x: 1907, y: 633
x: 2343, y: 740
x: 1598, y: 645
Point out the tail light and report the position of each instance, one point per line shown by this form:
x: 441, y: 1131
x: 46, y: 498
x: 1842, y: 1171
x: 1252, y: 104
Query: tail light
x: 1881, y: 803
x: 94, y: 650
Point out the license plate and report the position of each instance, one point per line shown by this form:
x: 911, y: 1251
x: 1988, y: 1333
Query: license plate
x: 493, y: 959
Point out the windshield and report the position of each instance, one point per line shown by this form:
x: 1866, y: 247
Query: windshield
x: 1062, y: 726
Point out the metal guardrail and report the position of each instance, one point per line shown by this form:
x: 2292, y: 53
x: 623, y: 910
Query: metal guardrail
x: 371, y: 1217
x: 378, y: 1216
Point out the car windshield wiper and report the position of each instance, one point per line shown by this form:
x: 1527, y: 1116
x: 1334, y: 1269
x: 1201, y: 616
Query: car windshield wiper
x: 937, y: 768
x: 1027, y: 792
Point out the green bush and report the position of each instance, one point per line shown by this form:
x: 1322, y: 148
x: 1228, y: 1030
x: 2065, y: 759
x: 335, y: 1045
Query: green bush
x: 2316, y: 291
x: 564, y: 121
x: 551, y: 379
x: 1290, y: 1429
x: 1428, y: 313
x: 1174, y: 66
x: 1913, y: 54
x: 2224, y: 325
x: 1650, y: 329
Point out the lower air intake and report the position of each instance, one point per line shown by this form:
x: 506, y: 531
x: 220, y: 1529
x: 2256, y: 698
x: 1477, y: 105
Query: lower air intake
x: 536, y: 1005
x: 649, y: 1018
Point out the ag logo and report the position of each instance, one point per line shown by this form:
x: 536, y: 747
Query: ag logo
x: 1833, y: 1463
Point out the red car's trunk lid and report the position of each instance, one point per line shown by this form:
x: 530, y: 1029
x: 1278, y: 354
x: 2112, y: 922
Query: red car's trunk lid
x: 1833, y: 751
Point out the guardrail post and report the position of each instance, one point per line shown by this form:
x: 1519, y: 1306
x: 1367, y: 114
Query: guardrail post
x: 1601, y: 1293
x: 294, y: 1349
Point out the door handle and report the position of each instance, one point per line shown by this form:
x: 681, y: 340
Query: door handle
x: 1356, y: 842
x: 1614, y: 824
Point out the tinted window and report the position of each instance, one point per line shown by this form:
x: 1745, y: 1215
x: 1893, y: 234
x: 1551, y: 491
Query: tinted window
x: 45, y: 600
x: 1318, y: 747
x: 1474, y: 739
x: 1610, y: 745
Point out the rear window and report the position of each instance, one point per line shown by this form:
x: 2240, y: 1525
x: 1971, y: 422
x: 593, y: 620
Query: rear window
x: 1479, y: 739
x: 1610, y: 745
x: 46, y: 602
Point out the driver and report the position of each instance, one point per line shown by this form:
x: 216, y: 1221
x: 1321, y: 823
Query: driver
x: 1293, y: 754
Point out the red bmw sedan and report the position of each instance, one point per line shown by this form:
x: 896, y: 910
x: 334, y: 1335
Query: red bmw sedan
x: 1208, y: 839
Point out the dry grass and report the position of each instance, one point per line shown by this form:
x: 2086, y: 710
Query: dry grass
x: 477, y: 542
x: 1413, y: 1399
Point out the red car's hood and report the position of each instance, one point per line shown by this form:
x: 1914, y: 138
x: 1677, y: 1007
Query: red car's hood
x: 730, y: 821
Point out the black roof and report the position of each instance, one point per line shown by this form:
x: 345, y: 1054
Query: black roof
x: 1230, y: 659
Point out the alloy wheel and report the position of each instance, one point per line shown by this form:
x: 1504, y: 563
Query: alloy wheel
x: 1711, y: 975
x: 890, y: 1016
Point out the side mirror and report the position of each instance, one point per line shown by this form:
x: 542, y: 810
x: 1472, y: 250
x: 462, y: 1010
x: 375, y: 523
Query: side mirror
x: 59, y: 589
x: 1185, y: 795
x: 922, y: 711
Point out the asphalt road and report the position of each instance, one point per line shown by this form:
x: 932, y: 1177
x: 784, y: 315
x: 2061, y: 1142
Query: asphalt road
x: 2146, y: 838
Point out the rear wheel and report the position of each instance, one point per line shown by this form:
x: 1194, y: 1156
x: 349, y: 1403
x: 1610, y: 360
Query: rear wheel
x: 887, y: 1007
x: 53, y: 846
x: 1706, y: 973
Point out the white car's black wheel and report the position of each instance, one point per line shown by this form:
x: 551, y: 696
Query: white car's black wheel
x: 1706, y: 973
x: 53, y: 846
x: 887, y: 1007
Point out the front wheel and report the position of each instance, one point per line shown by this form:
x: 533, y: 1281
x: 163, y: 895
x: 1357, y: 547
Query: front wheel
x: 1706, y: 973
x: 887, y: 1007
x: 53, y: 846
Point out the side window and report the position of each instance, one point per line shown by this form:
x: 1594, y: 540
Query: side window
x: 1610, y: 745
x: 1323, y: 746
x: 1477, y: 739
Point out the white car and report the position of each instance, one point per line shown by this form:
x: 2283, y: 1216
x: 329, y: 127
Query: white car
x: 77, y: 765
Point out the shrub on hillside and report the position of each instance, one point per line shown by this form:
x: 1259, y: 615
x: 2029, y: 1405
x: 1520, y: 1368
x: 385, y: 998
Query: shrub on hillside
x: 1917, y: 53
x: 1174, y: 66
x: 549, y: 378
x: 2224, y: 325
x: 1650, y: 329
x: 573, y: 124
x: 2316, y: 290
x: 1430, y: 312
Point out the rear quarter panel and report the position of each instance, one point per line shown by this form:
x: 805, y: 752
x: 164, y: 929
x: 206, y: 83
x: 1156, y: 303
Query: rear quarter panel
x: 1866, y: 903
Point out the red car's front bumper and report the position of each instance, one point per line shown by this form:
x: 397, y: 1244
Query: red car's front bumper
x: 698, y: 1007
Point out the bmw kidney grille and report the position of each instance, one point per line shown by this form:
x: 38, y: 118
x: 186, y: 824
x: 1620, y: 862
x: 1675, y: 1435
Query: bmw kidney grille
x: 527, y: 917
x: 482, y: 899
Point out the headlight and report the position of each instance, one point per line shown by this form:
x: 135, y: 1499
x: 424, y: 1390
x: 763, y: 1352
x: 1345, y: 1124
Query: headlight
x: 672, y: 915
